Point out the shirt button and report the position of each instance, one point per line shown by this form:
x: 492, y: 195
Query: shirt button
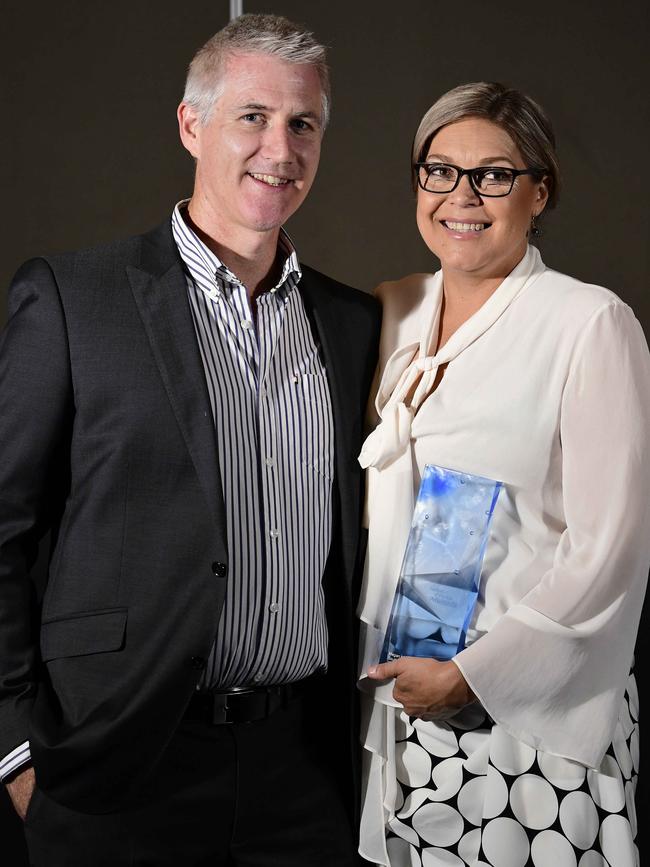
x: 295, y: 378
x: 198, y: 663
x: 246, y: 324
x: 270, y: 462
x: 274, y: 533
x: 258, y: 678
x: 274, y: 607
x: 219, y: 569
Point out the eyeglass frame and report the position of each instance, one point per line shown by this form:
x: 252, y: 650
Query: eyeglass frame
x: 515, y: 174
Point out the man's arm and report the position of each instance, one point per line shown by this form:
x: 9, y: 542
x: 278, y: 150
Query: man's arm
x: 35, y: 404
x: 17, y: 759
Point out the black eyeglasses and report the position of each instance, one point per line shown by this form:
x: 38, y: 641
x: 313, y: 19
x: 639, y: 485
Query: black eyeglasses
x: 484, y: 180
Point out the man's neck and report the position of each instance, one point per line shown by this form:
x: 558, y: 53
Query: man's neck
x: 250, y: 256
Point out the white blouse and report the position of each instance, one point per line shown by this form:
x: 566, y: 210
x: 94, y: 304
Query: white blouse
x: 547, y: 390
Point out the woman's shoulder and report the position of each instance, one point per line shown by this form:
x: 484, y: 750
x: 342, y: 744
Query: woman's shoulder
x: 406, y: 294
x: 575, y: 297
x: 564, y: 310
x: 407, y: 304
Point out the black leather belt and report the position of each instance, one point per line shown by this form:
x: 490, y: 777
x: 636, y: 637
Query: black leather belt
x: 242, y: 704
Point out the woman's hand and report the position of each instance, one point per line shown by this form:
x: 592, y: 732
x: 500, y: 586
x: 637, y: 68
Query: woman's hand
x: 425, y: 687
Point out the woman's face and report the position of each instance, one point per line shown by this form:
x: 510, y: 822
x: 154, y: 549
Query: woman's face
x: 448, y: 222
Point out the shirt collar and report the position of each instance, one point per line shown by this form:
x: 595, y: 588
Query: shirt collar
x: 211, y: 274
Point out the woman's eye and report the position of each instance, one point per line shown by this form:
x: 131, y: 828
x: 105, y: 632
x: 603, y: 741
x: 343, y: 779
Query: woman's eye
x: 441, y: 171
x: 497, y: 176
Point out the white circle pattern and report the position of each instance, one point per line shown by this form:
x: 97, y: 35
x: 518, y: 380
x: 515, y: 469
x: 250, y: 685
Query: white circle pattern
x: 562, y: 773
x: 508, y: 754
x: 616, y: 841
x: 533, y: 801
x: 438, y: 824
x: 579, y: 819
x: 505, y: 843
x: 488, y: 800
x: 469, y: 845
x: 447, y: 777
x: 606, y: 785
x: 550, y: 849
x: 413, y: 764
x: 440, y: 858
x: 592, y: 859
x: 496, y: 796
x: 470, y: 800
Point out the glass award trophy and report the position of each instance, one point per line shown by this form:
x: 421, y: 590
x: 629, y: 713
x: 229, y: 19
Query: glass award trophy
x: 439, y: 581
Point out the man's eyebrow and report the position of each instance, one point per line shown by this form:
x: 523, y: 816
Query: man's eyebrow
x: 258, y: 106
x: 311, y: 115
x: 255, y: 106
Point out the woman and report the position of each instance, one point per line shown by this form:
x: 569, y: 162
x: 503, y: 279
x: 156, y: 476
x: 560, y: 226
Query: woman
x: 523, y: 748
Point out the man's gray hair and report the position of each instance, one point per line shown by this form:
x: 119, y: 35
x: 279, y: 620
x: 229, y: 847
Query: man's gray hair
x: 272, y: 35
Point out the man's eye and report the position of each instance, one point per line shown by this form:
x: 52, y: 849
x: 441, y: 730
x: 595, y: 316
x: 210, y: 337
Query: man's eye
x: 300, y: 125
x: 252, y: 117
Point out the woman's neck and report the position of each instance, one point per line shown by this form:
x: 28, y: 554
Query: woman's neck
x: 462, y: 297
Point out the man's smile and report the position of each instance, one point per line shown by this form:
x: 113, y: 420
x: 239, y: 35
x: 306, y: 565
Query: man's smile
x: 271, y: 180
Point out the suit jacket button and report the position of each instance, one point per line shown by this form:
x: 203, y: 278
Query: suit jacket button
x: 220, y: 569
x: 198, y: 663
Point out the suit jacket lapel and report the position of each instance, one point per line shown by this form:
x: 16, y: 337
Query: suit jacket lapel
x: 160, y: 290
x: 338, y: 354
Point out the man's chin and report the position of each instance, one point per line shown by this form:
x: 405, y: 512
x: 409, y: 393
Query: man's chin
x: 270, y: 222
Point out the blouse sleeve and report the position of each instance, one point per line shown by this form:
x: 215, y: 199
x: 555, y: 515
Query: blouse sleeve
x: 553, y: 669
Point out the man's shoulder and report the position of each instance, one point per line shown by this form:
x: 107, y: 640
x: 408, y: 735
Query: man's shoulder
x: 338, y: 291
x: 154, y: 250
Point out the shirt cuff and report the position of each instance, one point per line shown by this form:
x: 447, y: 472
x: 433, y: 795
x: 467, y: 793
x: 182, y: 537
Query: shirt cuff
x: 16, y: 758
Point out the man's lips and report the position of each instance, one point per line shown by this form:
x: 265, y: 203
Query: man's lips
x: 271, y: 180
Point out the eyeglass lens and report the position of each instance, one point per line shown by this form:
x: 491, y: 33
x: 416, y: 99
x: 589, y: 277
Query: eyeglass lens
x: 441, y: 178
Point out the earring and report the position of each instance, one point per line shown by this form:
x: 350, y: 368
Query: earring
x: 535, y: 230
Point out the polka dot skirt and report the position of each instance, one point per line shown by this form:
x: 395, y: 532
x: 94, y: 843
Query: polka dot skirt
x: 470, y: 794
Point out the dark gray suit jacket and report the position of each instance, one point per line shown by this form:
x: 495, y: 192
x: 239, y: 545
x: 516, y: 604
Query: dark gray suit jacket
x: 107, y: 440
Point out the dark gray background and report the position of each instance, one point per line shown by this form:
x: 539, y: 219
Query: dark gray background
x: 90, y: 150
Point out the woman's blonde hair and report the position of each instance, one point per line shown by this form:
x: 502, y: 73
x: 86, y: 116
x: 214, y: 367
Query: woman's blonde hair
x: 521, y: 117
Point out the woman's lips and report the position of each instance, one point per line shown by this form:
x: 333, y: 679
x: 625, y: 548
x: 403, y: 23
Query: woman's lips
x: 464, y: 228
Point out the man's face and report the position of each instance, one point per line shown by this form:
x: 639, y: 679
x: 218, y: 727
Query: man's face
x: 257, y: 156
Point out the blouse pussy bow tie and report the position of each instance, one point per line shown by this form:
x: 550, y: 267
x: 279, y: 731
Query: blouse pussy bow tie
x: 413, y: 369
x: 392, y: 435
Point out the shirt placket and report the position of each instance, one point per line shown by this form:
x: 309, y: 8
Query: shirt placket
x: 270, y: 316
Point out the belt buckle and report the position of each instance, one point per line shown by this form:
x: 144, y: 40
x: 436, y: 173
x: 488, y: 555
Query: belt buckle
x: 223, y: 713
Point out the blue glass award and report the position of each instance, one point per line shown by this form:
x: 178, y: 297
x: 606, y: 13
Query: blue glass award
x: 439, y: 580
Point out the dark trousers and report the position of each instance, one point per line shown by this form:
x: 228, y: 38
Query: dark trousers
x: 263, y: 793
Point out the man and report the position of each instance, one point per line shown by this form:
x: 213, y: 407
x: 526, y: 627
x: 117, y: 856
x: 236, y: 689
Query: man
x: 183, y: 410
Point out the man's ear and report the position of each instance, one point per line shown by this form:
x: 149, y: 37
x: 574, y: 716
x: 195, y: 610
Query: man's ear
x: 188, y: 128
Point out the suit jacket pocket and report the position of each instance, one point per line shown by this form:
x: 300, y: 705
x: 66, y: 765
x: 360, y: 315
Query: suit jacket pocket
x: 84, y: 633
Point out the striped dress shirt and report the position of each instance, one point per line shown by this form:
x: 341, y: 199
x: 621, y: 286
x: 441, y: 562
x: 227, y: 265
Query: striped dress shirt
x: 275, y: 441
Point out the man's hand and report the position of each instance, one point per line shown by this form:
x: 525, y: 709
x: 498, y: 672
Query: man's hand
x: 21, y: 789
x: 426, y: 688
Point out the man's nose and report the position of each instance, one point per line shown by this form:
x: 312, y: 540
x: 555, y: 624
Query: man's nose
x: 277, y: 144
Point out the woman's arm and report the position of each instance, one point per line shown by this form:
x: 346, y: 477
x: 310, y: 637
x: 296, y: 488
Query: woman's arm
x: 553, y: 669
